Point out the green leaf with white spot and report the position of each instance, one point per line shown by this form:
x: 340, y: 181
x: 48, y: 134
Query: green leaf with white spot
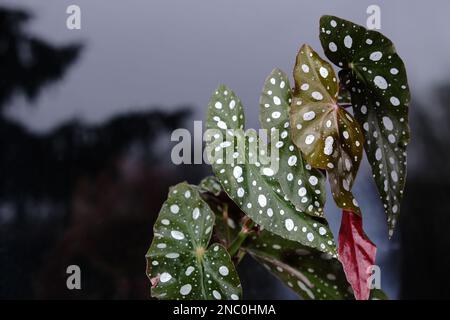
x: 228, y: 215
x: 210, y: 184
x: 375, y: 76
x: 180, y: 264
x: 249, y: 178
x: 327, y: 135
x: 310, y: 273
x: 302, y: 184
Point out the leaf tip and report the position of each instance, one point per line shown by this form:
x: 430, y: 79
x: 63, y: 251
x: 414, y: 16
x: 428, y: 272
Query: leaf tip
x: 356, y: 253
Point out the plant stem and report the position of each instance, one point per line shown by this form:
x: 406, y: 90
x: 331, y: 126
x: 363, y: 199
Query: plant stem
x: 243, y: 234
x: 225, y: 219
x: 239, y: 256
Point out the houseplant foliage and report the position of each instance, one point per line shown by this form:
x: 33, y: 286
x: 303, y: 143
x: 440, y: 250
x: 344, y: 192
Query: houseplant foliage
x: 375, y: 76
x: 272, y: 208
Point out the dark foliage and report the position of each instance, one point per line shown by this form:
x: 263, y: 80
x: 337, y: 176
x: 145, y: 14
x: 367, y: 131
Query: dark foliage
x: 27, y: 63
x: 85, y: 195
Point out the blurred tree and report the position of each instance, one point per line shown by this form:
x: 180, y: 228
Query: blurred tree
x: 80, y: 194
x: 27, y: 63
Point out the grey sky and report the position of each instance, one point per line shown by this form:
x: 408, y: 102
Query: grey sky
x: 172, y: 52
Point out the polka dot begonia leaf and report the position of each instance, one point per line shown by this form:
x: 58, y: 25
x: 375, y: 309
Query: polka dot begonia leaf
x: 250, y: 181
x: 210, y: 184
x: 327, y: 135
x: 375, y: 76
x: 180, y: 264
x: 302, y: 184
x: 308, y: 272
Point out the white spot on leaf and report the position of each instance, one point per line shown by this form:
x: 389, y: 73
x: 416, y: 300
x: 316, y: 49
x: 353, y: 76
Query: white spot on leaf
x: 217, y: 295
x: 223, y: 270
x: 164, y: 277
x: 380, y: 82
x: 185, y: 289
x: 262, y: 200
x: 348, y: 41
x: 177, y: 235
x: 309, y: 139
x: 189, y: 270
x: 195, y: 213
x: 276, y: 100
x: 323, y: 72
x: 328, y: 148
x: 376, y: 56
x: 307, y: 116
x: 174, y: 208
x: 317, y: 95
x: 289, y: 224
x: 333, y: 47
x: 387, y: 122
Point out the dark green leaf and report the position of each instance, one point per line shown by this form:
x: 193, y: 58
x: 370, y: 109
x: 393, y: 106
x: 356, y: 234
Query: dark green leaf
x: 327, y: 135
x: 376, y: 78
x: 344, y: 98
x: 179, y: 263
x: 377, y: 294
x: 302, y: 184
x: 228, y: 215
x: 238, y: 164
x: 310, y: 273
x: 210, y: 184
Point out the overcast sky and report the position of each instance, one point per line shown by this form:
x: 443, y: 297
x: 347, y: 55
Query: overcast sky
x: 167, y: 53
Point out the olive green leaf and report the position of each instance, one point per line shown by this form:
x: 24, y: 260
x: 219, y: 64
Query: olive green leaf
x: 302, y: 184
x: 378, y: 294
x: 250, y: 180
x: 310, y: 273
x: 376, y: 78
x: 327, y: 135
x: 180, y: 264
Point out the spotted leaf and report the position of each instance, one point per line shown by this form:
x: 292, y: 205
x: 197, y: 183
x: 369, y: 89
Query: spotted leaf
x: 327, y: 135
x: 248, y: 177
x: 302, y: 184
x: 180, y: 264
x: 210, y: 184
x: 228, y: 215
x: 310, y: 273
x: 375, y: 76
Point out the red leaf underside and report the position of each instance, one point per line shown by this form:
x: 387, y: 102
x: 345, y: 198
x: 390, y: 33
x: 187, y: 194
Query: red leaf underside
x: 356, y: 253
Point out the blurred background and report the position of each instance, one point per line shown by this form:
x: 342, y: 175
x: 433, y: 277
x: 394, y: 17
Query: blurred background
x: 86, y: 117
